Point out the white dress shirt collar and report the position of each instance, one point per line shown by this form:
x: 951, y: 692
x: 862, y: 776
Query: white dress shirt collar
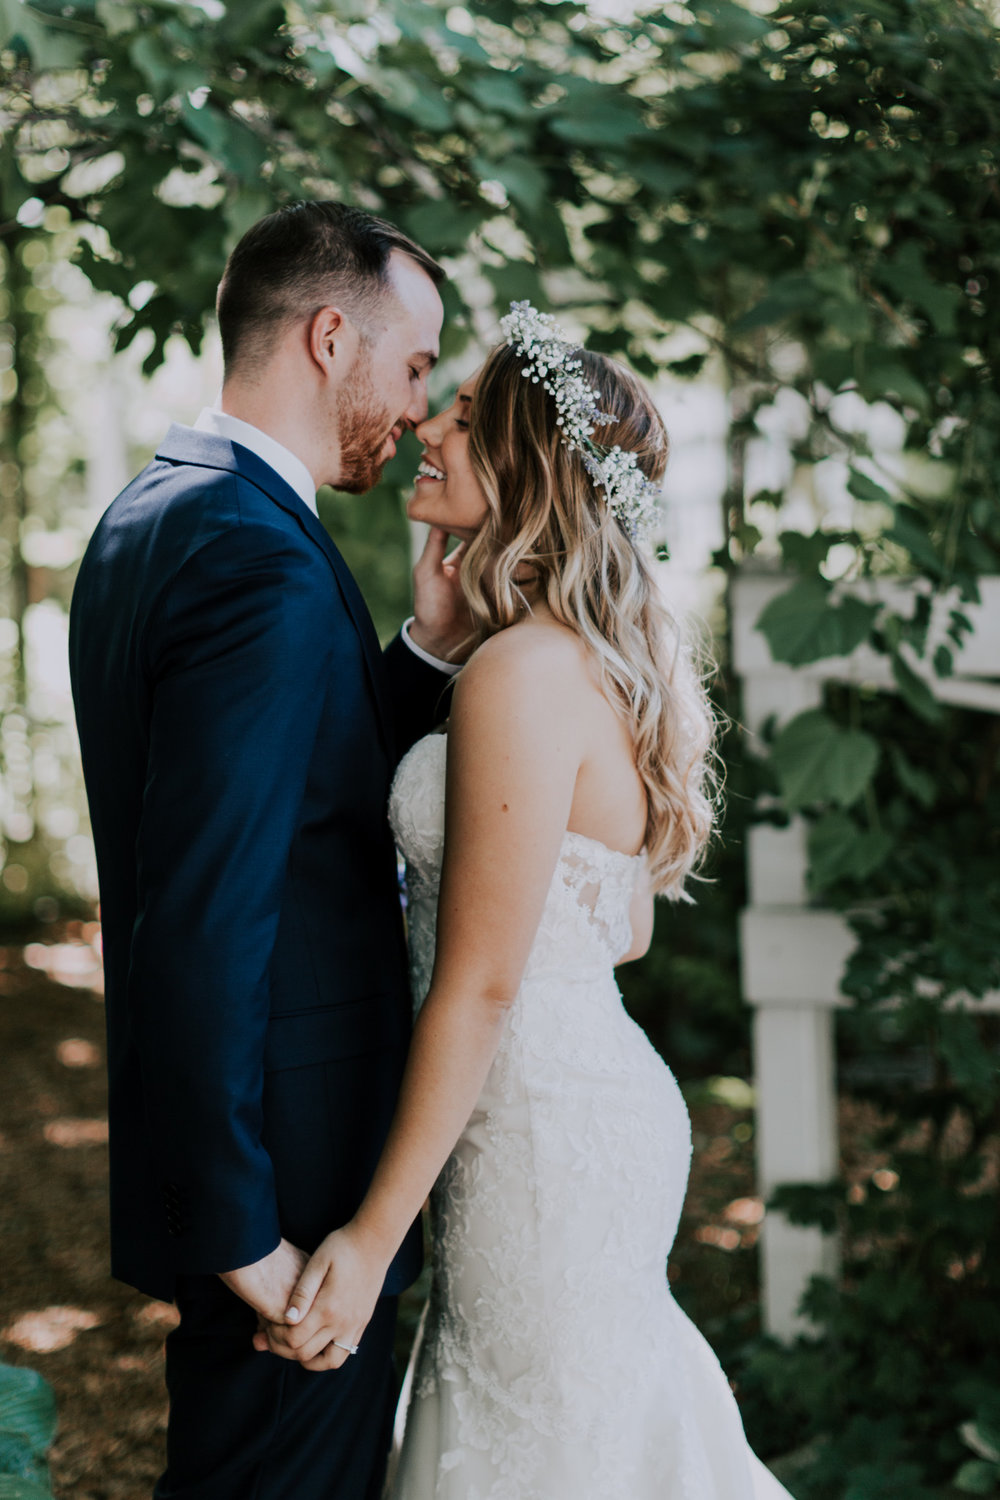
x: 279, y: 458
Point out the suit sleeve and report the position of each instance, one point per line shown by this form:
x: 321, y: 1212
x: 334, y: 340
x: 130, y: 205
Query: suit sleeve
x: 419, y: 693
x: 239, y: 661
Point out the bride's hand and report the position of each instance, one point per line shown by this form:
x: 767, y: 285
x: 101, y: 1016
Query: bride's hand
x: 333, y: 1298
x: 441, y: 615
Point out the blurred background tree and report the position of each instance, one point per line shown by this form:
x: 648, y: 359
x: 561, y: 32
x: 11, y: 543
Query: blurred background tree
x: 796, y: 203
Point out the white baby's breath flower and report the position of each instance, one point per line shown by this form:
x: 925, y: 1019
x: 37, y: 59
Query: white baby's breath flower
x: 553, y: 362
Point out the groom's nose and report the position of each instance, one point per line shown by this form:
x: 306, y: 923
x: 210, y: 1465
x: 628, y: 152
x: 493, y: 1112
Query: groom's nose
x: 416, y: 412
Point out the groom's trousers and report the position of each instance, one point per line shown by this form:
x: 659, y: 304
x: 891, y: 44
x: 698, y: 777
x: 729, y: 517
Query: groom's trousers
x: 249, y: 1426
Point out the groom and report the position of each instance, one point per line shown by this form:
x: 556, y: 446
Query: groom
x: 239, y: 728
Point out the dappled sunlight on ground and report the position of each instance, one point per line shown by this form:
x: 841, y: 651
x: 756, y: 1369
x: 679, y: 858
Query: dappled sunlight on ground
x: 75, y: 1052
x: 76, y: 964
x: 76, y: 1132
x: 52, y: 1328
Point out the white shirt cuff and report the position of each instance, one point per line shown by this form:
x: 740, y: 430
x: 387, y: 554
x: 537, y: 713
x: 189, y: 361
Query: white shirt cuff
x: 432, y: 661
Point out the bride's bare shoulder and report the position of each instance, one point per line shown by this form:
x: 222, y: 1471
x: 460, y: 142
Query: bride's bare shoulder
x: 536, y: 654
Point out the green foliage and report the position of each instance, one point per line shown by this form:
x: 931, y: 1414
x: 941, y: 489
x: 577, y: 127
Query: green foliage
x: 811, y: 197
x: 27, y: 1427
x: 908, y: 1363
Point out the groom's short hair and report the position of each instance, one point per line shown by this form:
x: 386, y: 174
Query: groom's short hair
x: 303, y: 257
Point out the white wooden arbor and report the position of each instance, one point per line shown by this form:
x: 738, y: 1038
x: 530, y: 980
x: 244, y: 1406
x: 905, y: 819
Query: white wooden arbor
x: 793, y: 952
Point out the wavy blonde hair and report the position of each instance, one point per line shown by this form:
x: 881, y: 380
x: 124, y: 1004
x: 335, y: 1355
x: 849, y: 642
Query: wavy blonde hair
x: 545, y: 519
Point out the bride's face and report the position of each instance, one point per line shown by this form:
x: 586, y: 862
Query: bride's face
x: 447, y: 492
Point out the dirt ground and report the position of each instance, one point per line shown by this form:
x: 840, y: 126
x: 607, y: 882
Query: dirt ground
x: 101, y: 1344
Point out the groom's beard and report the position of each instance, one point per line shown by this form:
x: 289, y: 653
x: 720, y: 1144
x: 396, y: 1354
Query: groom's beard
x: 365, y: 427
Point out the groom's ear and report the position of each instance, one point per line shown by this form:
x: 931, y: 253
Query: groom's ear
x: 332, y: 340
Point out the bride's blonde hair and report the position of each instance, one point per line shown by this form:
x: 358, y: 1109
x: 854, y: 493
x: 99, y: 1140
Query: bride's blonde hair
x: 547, y: 521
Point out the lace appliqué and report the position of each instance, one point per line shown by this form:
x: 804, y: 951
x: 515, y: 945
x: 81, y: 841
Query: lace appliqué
x: 555, y: 1364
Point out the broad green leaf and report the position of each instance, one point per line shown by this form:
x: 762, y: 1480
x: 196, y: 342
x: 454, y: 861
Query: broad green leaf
x: 663, y: 177
x: 427, y: 109
x: 48, y: 44
x: 803, y: 625
x: 12, y: 1488
x: 526, y: 183
x: 977, y: 1477
x: 815, y: 760
x: 888, y: 377
x: 907, y: 275
x: 909, y: 530
x: 973, y: 1066
x: 27, y: 1407
x: 862, y: 488
x: 914, y: 691
x: 732, y: 25
x: 920, y: 784
x: 442, y: 226
x: 838, y: 848
x: 806, y: 552
x: 516, y: 281
x: 787, y: 294
x: 606, y: 125
x: 232, y: 144
x: 983, y: 1438
x: 119, y: 16
x: 498, y: 91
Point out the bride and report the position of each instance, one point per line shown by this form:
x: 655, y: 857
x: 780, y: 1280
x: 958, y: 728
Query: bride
x: 573, y: 784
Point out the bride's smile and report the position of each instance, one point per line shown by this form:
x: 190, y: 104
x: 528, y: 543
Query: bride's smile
x: 447, y: 492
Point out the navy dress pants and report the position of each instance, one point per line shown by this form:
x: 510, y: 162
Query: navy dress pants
x: 249, y: 1426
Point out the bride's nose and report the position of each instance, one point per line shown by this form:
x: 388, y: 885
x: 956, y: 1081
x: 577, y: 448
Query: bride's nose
x: 432, y: 429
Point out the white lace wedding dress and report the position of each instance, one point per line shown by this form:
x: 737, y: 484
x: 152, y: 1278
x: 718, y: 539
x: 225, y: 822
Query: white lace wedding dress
x: 554, y: 1363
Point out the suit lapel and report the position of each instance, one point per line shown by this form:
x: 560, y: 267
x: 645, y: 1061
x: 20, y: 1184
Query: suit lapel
x: 189, y: 445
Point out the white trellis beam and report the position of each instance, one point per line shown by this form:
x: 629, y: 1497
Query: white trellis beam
x: 793, y: 954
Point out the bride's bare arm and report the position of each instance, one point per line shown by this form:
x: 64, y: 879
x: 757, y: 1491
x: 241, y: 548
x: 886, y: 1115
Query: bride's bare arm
x: 514, y: 751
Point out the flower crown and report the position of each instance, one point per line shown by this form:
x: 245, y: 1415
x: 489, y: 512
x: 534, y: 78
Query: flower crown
x: 553, y: 362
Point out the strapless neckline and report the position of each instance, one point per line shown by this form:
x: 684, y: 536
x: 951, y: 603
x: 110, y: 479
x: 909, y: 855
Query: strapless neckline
x: 570, y: 836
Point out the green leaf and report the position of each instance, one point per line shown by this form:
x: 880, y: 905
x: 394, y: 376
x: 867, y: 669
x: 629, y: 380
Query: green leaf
x: 499, y: 92
x: 972, y: 1066
x: 427, y: 109
x: 887, y: 377
x: 910, y: 530
x: 12, y: 1488
x: 983, y: 1437
x: 442, y: 227
x: 688, y: 368
x: 802, y: 625
x: 526, y: 183
x: 50, y: 46
x: 863, y: 488
x: 118, y: 16
x: 232, y: 144
x: 731, y: 25
x: 608, y: 125
x: 838, y: 848
x: 663, y: 177
x: 977, y: 1477
x: 815, y: 760
x: 914, y: 691
x: 27, y: 1407
x: 806, y: 552
x: 920, y: 784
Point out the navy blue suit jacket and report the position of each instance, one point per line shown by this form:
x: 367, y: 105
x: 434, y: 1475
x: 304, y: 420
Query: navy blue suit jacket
x: 238, y: 736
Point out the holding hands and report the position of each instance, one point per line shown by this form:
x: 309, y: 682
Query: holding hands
x: 331, y: 1305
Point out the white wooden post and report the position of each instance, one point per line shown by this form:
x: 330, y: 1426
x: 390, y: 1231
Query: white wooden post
x: 793, y: 954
